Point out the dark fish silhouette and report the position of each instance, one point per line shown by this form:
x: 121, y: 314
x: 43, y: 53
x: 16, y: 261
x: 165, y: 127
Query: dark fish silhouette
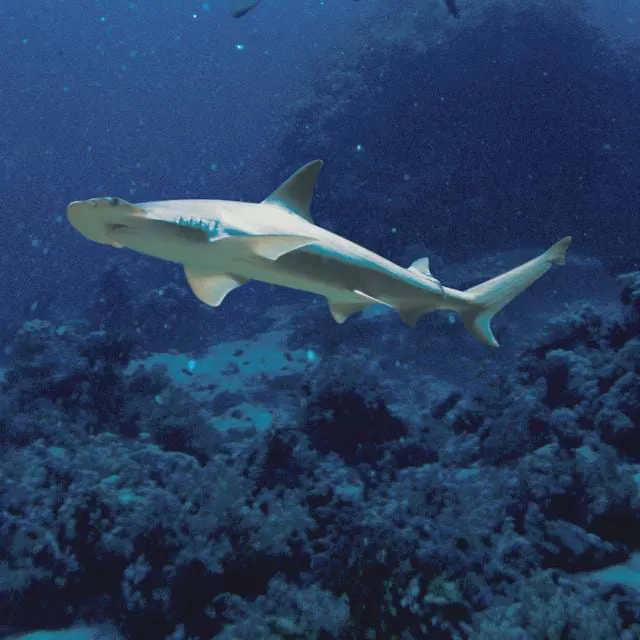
x: 244, y: 6
x: 452, y: 8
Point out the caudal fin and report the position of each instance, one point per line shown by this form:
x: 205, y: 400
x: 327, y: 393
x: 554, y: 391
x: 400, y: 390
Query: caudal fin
x: 486, y: 299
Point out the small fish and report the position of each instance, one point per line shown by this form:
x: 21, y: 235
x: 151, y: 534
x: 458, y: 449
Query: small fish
x: 452, y: 8
x: 243, y: 7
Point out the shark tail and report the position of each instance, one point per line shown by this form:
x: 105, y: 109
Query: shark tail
x: 480, y: 303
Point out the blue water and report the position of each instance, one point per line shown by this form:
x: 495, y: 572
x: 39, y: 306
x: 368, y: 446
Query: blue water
x: 169, y: 470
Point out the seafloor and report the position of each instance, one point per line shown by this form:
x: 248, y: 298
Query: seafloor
x: 298, y: 479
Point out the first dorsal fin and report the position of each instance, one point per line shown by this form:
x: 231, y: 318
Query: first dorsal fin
x: 296, y: 192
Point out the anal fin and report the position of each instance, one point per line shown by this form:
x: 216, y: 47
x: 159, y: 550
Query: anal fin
x: 411, y: 315
x: 212, y: 288
x: 341, y: 310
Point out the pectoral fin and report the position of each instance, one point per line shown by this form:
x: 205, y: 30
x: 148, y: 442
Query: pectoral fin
x: 411, y: 315
x: 212, y: 288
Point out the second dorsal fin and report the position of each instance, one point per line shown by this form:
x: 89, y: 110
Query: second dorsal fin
x: 421, y: 266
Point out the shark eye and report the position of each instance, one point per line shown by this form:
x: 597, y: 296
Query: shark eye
x: 113, y: 202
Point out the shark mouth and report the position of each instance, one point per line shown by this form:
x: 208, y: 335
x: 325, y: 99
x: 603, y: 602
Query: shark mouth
x: 114, y: 228
x: 116, y: 232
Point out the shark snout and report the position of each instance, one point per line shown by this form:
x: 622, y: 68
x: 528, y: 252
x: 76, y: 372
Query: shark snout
x: 96, y: 218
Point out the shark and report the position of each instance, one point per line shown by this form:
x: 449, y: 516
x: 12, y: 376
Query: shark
x: 222, y: 244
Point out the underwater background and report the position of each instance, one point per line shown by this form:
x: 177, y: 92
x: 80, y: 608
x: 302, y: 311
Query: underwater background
x: 169, y: 471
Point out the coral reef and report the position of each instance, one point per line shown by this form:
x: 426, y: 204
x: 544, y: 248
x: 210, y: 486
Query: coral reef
x: 488, y: 518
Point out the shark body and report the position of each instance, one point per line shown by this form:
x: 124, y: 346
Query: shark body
x: 223, y: 244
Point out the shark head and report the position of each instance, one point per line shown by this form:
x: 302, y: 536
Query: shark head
x: 157, y: 229
x: 102, y: 219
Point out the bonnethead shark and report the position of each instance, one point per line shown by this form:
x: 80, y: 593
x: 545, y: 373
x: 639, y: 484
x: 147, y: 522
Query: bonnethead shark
x: 223, y: 244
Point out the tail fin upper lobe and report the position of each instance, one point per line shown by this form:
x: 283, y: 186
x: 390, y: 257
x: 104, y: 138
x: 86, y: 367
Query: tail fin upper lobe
x: 486, y: 299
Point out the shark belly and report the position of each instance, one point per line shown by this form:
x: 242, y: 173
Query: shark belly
x: 338, y: 279
x: 223, y: 244
x: 343, y: 277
